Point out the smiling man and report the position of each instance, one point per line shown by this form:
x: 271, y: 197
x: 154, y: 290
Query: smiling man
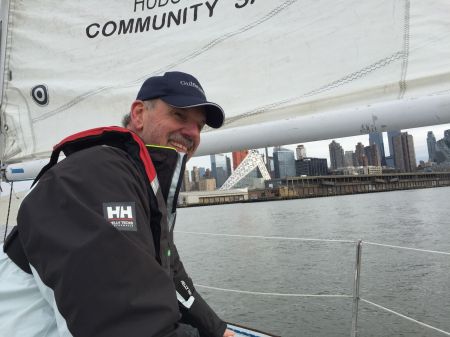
x: 93, y: 253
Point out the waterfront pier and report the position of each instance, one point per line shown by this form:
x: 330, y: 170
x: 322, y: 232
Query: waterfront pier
x: 321, y: 186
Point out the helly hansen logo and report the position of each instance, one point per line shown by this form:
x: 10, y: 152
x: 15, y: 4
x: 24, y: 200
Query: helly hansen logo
x: 121, y: 215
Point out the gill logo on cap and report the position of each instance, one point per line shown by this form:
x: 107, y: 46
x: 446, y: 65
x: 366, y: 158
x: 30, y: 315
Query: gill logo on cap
x: 192, y: 84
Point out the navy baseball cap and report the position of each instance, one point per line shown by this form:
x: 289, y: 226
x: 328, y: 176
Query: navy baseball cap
x: 181, y: 90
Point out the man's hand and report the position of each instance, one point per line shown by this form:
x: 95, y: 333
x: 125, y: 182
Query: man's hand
x: 228, y: 333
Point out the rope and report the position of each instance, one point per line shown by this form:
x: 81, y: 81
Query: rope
x: 408, y: 248
x: 9, y: 208
x: 265, y: 237
x: 269, y: 294
x: 406, y: 317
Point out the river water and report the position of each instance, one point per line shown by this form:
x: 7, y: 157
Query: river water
x: 415, y: 284
x: 258, y: 252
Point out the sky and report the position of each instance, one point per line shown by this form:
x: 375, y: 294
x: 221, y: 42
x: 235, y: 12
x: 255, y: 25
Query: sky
x: 319, y: 149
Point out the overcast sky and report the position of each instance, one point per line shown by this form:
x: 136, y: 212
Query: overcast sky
x: 319, y: 149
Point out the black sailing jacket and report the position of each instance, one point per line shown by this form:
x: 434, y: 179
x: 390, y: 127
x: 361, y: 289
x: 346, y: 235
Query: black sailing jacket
x: 97, y: 232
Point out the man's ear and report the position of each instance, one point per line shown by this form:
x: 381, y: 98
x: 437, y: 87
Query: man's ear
x: 137, y: 116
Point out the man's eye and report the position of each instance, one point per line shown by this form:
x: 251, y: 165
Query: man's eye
x: 178, y: 114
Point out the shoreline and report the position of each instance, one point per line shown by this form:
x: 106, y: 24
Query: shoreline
x: 326, y: 186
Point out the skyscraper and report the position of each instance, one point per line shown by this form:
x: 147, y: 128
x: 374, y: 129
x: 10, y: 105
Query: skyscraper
x: 300, y: 151
x: 195, y: 178
x: 186, y: 186
x: 228, y: 166
x: 377, y: 138
x: 336, y: 155
x: 404, y: 153
x: 443, y: 148
x: 311, y: 166
x: 373, y: 155
x: 360, y: 155
x: 431, y: 144
x: 349, y: 158
x: 238, y: 157
x: 219, y: 168
x: 284, y: 162
x: 391, y: 134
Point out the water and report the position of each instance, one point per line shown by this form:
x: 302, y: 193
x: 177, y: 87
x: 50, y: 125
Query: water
x: 413, y: 283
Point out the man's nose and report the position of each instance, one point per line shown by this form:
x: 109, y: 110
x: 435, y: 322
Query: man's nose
x: 191, y: 129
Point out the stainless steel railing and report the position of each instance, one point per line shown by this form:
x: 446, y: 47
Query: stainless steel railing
x: 356, y: 279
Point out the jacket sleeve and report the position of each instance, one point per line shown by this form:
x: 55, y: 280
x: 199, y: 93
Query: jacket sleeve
x: 193, y: 307
x: 85, y: 231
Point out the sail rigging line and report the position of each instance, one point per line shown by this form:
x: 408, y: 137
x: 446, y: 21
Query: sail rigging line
x: 407, y: 248
x: 403, y: 85
x: 271, y: 293
x: 266, y: 237
x: 280, y: 8
x: 405, y: 317
x: 9, y: 209
x: 335, y: 84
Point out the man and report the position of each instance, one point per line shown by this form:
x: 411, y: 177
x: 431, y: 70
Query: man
x: 93, y: 252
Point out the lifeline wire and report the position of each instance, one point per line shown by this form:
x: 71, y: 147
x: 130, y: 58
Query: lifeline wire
x: 408, y: 248
x: 406, y: 317
x: 268, y: 294
x: 309, y: 239
x: 265, y: 237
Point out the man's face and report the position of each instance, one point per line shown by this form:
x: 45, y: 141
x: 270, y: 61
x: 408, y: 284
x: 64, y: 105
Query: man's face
x: 168, y: 126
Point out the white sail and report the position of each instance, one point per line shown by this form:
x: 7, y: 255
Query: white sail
x: 300, y: 70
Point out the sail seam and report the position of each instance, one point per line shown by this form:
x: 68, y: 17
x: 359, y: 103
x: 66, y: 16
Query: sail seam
x: 403, y: 85
x: 347, y: 79
x: 194, y: 54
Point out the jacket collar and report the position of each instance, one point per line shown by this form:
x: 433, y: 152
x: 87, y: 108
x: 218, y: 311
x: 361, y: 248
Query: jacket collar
x: 170, y: 166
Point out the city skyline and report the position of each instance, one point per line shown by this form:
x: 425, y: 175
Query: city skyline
x: 320, y: 149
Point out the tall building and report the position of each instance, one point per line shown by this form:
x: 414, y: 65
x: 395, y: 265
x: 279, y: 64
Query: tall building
x: 447, y: 135
x: 195, y: 174
x: 373, y: 155
x: 208, y: 174
x: 195, y: 178
x: 443, y: 148
x: 284, y: 162
x: 300, y: 151
x: 390, y: 160
x: 201, y: 171
x: 336, y: 155
x: 186, y: 185
x: 251, y: 180
x: 207, y: 184
x: 238, y: 157
x: 390, y: 135
x: 228, y: 166
x: 270, y: 166
x: 377, y: 138
x: 220, y: 168
x: 360, y: 156
x: 431, y: 144
x: 349, y: 159
x: 404, y: 153
x: 311, y: 167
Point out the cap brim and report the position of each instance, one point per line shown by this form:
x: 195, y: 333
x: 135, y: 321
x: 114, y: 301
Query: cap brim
x: 214, y: 114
